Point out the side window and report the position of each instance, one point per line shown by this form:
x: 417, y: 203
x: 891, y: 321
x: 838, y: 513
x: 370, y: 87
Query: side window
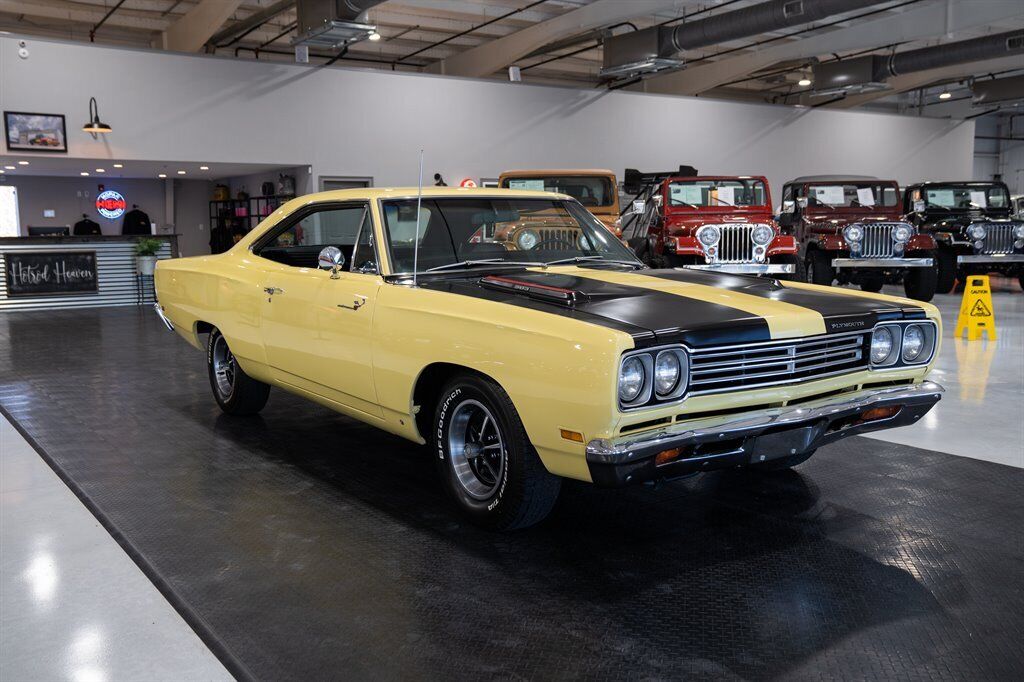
x: 364, y: 257
x: 299, y: 243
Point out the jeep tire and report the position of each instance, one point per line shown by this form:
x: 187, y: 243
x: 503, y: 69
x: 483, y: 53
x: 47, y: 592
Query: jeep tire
x: 819, y: 268
x: 920, y: 283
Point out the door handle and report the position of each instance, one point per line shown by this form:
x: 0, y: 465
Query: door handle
x: 357, y: 303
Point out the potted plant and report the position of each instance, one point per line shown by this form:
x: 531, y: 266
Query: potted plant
x: 146, y: 250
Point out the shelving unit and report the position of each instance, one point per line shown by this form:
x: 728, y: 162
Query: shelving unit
x: 229, y: 215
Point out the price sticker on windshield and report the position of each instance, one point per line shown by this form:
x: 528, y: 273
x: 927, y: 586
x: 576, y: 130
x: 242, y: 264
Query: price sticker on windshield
x: 832, y: 195
x: 979, y: 199
x: 865, y: 196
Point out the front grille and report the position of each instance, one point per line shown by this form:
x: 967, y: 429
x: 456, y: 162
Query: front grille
x: 877, y: 241
x: 998, y: 238
x: 558, y: 239
x: 735, y: 245
x: 729, y: 368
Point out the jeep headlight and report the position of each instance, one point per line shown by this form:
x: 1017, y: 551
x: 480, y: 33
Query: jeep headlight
x: 1018, y: 231
x: 901, y: 234
x: 632, y: 378
x: 527, y: 239
x: 853, y: 234
x: 709, y: 235
x: 762, y: 235
x: 976, y: 232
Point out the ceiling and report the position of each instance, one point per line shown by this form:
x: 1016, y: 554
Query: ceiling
x: 13, y: 166
x: 560, y: 41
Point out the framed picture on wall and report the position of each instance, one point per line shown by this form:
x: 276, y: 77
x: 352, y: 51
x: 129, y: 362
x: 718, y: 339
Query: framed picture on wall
x: 27, y: 132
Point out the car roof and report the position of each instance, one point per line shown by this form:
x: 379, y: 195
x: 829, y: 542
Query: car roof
x: 834, y: 178
x: 973, y: 183
x: 431, y: 192
x: 539, y: 172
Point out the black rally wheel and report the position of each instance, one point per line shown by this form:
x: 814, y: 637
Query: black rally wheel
x: 485, y: 458
x: 920, y: 284
x: 819, y: 268
x: 235, y: 391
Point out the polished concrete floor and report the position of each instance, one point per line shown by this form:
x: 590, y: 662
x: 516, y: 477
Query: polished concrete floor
x: 924, y: 549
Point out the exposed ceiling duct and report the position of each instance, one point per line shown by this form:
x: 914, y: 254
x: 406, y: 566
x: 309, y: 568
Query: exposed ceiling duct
x: 235, y: 32
x: 660, y: 47
x: 333, y: 23
x: 999, y: 92
x: 871, y: 71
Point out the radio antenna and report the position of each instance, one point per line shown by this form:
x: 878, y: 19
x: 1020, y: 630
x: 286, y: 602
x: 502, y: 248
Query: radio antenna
x: 416, y: 243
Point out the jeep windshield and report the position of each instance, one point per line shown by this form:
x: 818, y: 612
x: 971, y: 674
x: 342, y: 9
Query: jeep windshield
x: 868, y: 195
x: 483, y: 233
x: 593, y: 191
x: 963, y: 197
x: 740, y: 192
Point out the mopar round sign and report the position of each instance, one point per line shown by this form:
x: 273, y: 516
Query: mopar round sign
x: 110, y: 204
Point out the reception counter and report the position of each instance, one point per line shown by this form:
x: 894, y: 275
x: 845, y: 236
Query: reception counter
x: 72, y: 272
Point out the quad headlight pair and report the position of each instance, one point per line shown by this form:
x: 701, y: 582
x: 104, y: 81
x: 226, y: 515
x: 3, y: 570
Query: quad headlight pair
x: 902, y: 344
x: 654, y: 375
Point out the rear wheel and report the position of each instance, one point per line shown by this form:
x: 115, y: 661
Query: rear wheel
x: 235, y: 391
x: 799, y: 273
x: 871, y: 283
x: 920, y: 283
x: 819, y: 268
x: 945, y: 262
x: 782, y: 463
x: 485, y: 457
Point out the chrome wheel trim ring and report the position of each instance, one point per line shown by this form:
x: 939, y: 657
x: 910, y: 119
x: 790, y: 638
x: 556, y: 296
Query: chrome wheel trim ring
x: 224, y: 368
x: 476, y: 449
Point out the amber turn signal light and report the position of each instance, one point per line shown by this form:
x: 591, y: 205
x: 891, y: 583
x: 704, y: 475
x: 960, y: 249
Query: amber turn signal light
x: 574, y: 436
x: 666, y: 456
x: 876, y: 413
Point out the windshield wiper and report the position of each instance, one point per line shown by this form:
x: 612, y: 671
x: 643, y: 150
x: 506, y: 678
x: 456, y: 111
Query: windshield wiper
x: 471, y: 263
x: 589, y: 259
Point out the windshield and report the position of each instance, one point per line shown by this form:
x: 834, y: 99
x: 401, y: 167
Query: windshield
x: 589, y: 190
x: 700, y: 193
x: 963, y: 196
x: 523, y: 231
x: 852, y: 195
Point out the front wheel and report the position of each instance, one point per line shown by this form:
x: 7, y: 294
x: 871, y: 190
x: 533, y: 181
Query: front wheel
x: 485, y: 457
x: 872, y: 283
x: 235, y: 391
x: 945, y: 266
x: 819, y: 268
x: 920, y: 283
x: 799, y: 273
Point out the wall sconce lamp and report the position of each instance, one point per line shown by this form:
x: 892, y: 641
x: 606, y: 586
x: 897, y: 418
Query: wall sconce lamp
x: 95, y: 125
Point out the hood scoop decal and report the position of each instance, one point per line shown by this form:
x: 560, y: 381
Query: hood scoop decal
x: 542, y: 292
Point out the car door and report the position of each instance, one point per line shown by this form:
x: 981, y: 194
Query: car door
x: 316, y: 324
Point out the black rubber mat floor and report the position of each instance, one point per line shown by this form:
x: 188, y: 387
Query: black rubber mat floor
x: 303, y: 545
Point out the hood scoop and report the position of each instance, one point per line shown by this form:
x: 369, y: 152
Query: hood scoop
x: 535, y: 290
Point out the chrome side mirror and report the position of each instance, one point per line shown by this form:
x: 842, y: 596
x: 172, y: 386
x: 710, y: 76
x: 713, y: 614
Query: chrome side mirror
x: 331, y: 258
x: 788, y: 206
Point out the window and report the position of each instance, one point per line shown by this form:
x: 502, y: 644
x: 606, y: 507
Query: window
x: 299, y: 242
x: 590, y: 190
x: 967, y: 196
x: 852, y: 195
x: 712, y: 193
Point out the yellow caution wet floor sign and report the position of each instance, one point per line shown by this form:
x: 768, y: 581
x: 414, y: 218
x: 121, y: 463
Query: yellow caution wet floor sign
x: 976, y: 313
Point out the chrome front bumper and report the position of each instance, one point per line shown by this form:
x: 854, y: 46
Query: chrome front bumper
x: 756, y: 436
x: 992, y: 258
x: 163, y: 318
x: 891, y: 263
x: 746, y: 268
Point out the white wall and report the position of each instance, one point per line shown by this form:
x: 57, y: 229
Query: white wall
x: 371, y: 123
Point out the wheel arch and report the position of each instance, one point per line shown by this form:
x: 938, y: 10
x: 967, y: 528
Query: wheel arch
x: 427, y: 388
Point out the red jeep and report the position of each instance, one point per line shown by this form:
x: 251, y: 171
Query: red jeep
x: 708, y: 222
x: 852, y: 231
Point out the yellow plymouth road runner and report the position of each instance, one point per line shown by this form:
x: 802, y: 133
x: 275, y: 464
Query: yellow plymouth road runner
x: 569, y: 359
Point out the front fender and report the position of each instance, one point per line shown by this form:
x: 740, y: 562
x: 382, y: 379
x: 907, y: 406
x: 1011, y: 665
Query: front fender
x: 686, y: 246
x: 921, y: 242
x: 783, y: 244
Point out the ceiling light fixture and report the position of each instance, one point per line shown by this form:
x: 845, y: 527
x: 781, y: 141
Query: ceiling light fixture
x: 2, y: 171
x: 118, y: 165
x: 204, y: 168
x: 373, y: 37
x: 945, y: 95
x: 162, y: 175
x: 23, y: 163
x: 181, y: 172
x: 804, y: 82
x: 101, y: 170
x: 84, y: 174
x: 95, y: 125
x: 9, y: 167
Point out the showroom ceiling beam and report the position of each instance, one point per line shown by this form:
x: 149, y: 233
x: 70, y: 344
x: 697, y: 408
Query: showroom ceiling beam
x: 493, y: 56
x: 87, y: 15
x: 914, y: 81
x: 194, y: 29
x: 231, y: 34
x: 929, y: 20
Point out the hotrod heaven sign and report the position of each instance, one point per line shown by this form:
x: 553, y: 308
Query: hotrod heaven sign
x: 50, y: 273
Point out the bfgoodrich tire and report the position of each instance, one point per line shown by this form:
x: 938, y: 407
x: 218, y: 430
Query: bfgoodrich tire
x: 819, y: 268
x: 920, y: 283
x: 485, y: 458
x: 782, y: 463
x: 235, y: 391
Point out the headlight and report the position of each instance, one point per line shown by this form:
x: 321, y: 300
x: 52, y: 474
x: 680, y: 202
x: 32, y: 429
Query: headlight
x: 631, y: 379
x: 976, y: 231
x: 913, y: 343
x: 1018, y: 231
x: 853, y: 233
x: 883, y: 344
x: 901, y: 234
x: 527, y: 239
x: 762, y: 235
x: 709, y: 235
